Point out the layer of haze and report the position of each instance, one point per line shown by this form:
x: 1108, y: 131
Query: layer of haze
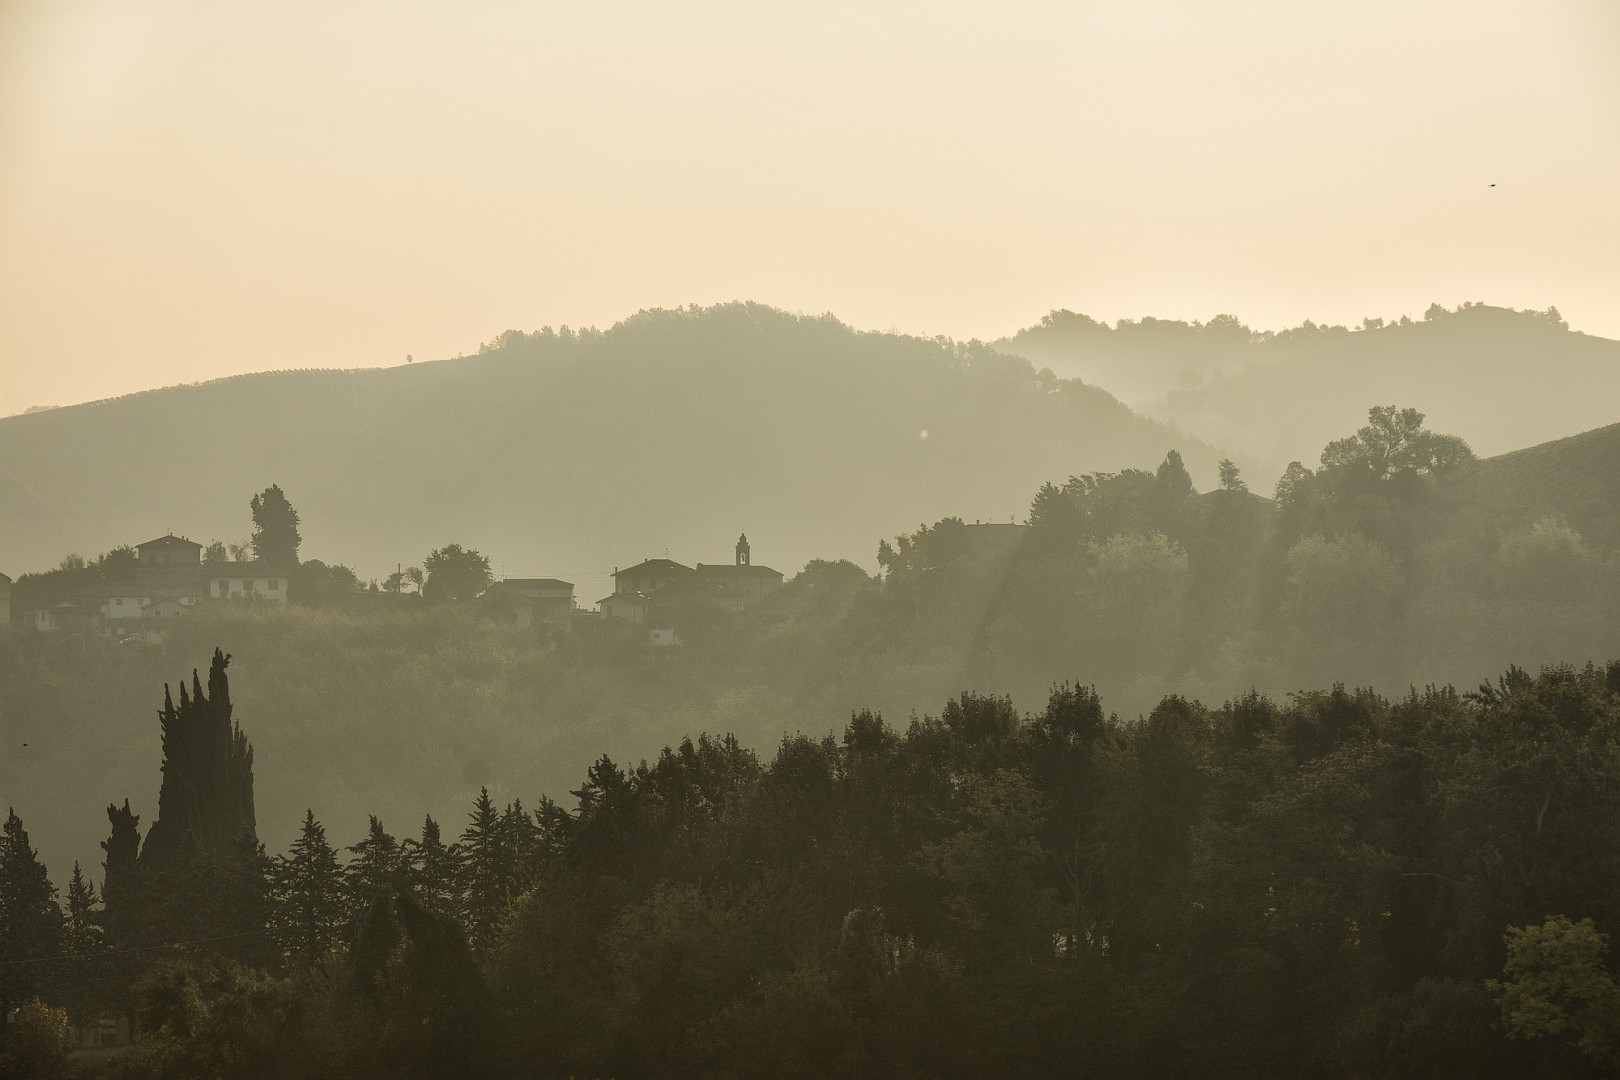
x: 195, y: 190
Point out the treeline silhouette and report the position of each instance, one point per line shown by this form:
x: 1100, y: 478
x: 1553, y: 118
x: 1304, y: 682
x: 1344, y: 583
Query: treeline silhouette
x: 1387, y: 564
x: 1337, y: 885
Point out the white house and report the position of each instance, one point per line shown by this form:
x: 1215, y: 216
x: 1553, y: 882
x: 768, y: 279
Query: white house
x: 238, y: 580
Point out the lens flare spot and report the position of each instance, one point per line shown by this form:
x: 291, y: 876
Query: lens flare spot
x: 923, y: 434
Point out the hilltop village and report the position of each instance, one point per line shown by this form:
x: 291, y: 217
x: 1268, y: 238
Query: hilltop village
x: 169, y: 576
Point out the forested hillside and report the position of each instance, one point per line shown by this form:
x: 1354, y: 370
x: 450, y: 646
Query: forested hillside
x: 1398, y: 561
x: 564, y: 454
x: 1502, y: 379
x: 1338, y: 885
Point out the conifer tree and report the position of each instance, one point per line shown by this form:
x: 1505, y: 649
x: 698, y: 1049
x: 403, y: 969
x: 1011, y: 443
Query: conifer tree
x: 376, y: 870
x: 434, y: 869
x: 486, y: 870
x: 521, y: 842
x: 121, y: 893
x: 83, y: 930
x: 308, y: 896
x: 30, y: 920
x: 207, y: 785
x: 83, y: 977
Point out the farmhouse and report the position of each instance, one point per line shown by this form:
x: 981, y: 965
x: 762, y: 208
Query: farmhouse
x: 247, y: 580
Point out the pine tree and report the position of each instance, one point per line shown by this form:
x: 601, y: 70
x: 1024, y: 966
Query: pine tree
x: 207, y: 788
x: 485, y: 872
x: 30, y: 920
x: 308, y: 896
x: 435, y: 870
x: 83, y: 927
x: 376, y: 870
x: 521, y: 842
x: 1231, y: 477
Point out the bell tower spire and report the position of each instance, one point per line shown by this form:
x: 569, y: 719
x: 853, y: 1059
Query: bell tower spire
x: 742, y: 550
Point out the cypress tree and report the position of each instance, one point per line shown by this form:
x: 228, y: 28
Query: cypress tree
x: 121, y: 892
x: 207, y: 788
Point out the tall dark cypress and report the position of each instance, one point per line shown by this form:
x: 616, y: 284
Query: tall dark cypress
x: 207, y: 790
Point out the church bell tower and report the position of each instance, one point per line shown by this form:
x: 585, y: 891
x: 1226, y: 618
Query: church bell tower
x: 742, y: 550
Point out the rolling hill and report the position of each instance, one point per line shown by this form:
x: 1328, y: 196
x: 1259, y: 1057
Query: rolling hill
x: 1501, y: 379
x: 563, y: 454
x: 1575, y: 478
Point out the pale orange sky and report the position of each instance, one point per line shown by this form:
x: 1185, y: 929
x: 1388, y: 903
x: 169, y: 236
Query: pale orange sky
x: 189, y: 190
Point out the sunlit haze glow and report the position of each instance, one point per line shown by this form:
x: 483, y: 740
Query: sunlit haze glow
x: 196, y: 190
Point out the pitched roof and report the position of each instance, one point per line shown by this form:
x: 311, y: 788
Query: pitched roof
x: 1253, y: 497
x: 244, y: 569
x: 653, y: 566
x: 170, y: 541
x: 729, y: 570
x: 535, y: 583
x: 624, y: 597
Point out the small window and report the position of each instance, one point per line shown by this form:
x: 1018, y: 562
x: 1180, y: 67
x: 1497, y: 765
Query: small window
x: 275, y: 585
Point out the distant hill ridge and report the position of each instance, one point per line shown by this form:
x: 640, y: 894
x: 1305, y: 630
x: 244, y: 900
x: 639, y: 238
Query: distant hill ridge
x: 564, y: 454
x: 1502, y: 379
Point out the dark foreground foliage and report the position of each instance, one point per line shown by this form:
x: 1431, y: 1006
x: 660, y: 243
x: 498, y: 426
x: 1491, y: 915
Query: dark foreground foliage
x: 1342, y: 885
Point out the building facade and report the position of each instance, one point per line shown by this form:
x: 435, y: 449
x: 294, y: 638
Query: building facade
x: 170, y: 566
x: 247, y: 580
x: 539, y: 600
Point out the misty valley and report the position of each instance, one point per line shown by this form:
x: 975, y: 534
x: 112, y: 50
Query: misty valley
x: 1311, y: 768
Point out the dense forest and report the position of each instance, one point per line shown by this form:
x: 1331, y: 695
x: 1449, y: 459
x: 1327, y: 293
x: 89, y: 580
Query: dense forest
x: 1398, y: 561
x: 570, y: 451
x: 1338, y: 885
x: 1268, y: 397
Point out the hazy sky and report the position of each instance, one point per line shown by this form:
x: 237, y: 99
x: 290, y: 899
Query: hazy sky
x: 194, y: 190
